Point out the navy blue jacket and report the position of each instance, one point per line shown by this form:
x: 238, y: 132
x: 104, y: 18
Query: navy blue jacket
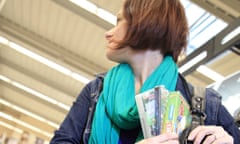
x: 76, y: 127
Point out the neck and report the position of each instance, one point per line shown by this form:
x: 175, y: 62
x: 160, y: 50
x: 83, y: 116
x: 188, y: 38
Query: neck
x: 143, y: 64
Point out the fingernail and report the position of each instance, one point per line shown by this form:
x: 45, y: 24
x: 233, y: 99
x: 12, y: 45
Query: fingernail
x: 190, y: 137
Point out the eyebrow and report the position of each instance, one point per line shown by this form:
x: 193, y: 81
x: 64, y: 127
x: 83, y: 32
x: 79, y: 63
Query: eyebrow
x: 119, y: 15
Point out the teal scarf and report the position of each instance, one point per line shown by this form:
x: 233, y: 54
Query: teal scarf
x: 116, y: 107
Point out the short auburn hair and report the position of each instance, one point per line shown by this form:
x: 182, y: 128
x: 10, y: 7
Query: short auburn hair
x: 156, y: 24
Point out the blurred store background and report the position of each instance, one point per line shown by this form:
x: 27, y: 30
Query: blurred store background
x: 49, y: 49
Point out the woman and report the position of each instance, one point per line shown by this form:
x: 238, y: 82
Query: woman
x: 146, y: 42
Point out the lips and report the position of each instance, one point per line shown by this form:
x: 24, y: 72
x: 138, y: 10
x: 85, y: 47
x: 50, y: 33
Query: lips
x: 110, y: 44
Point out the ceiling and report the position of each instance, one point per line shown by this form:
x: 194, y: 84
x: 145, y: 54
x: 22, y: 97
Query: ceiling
x: 68, y: 35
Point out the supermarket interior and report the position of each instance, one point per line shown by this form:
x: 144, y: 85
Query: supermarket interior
x: 50, y: 49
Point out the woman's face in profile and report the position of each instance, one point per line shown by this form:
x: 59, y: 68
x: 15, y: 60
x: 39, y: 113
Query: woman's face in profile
x: 113, y: 36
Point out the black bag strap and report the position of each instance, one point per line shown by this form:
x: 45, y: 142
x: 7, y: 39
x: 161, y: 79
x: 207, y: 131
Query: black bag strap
x: 198, y: 104
x: 197, y: 101
x: 197, y: 108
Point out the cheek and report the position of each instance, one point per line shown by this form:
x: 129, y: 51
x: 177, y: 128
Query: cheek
x: 120, y: 36
x: 120, y: 33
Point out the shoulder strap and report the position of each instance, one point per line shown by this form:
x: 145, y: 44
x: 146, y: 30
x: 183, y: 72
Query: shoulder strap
x: 198, y: 104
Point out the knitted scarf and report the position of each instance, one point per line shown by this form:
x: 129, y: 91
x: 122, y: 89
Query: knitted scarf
x: 116, y: 108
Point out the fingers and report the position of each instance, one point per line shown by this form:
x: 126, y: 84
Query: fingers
x: 200, y: 135
x: 223, y: 139
x: 209, y: 139
x: 210, y: 134
x: 167, y: 137
x: 161, y: 139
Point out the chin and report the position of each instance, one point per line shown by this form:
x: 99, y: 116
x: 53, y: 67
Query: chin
x: 112, y: 57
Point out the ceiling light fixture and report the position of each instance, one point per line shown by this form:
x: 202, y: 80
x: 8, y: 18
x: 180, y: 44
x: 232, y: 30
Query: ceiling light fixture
x: 4, y: 40
x: 231, y: 35
x: 107, y: 16
x: 44, y: 60
x: 92, y: 8
x: 29, y: 113
x: 193, y: 61
x: 13, y: 119
x: 35, y: 93
x: 2, y: 2
x: 11, y: 127
x: 85, y: 5
x: 210, y: 73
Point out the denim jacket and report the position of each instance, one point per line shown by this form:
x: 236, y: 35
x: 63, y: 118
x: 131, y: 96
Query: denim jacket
x: 76, y: 127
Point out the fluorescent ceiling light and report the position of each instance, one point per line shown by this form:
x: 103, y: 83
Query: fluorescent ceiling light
x: 92, y: 8
x: 35, y: 93
x: 231, y: 35
x: 107, y: 16
x: 78, y: 77
x: 39, y: 58
x: 4, y: 40
x: 210, y: 73
x: 11, y: 127
x: 11, y: 118
x: 40, y: 95
x: 43, y: 60
x: 85, y: 5
x: 5, y: 79
x: 2, y: 2
x: 193, y: 61
x: 28, y: 113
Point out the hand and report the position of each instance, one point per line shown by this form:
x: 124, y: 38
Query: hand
x: 210, y: 134
x: 161, y: 139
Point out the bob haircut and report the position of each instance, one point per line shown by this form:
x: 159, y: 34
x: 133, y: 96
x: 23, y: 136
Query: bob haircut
x: 156, y: 24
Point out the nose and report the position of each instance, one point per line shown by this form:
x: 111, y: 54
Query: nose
x: 108, y: 34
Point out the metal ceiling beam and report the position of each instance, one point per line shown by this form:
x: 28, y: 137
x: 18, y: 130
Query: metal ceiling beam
x: 218, y: 4
x: 234, y: 4
x: 214, y: 46
x: 218, y: 12
x: 83, y: 13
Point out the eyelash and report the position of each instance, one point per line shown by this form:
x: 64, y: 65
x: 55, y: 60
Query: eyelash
x: 118, y: 19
